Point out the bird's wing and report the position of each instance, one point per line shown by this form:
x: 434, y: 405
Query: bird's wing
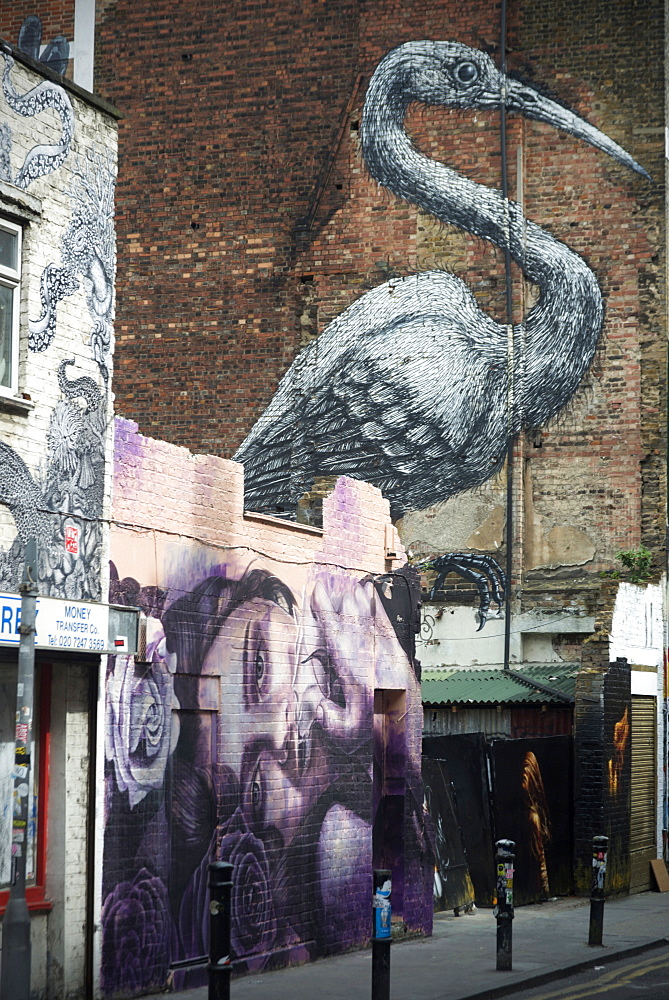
x: 405, y: 432
x: 400, y: 390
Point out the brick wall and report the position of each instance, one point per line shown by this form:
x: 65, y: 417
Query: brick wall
x: 247, y: 221
x: 220, y: 170
x: 249, y: 733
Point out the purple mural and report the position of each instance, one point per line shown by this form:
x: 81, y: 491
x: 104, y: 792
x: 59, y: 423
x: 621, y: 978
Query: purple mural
x: 248, y: 736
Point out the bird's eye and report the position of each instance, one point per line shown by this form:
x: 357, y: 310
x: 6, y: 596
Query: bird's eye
x: 466, y: 73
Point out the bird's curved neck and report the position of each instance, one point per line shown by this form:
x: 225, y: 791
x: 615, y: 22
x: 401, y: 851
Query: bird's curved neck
x: 567, y: 318
x: 394, y: 162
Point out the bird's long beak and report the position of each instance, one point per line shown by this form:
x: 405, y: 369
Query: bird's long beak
x: 530, y: 103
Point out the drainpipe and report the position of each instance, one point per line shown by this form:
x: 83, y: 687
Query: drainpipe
x: 665, y: 678
x: 510, y: 346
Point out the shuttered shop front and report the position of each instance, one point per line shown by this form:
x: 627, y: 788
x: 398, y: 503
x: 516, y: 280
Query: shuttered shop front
x: 643, y: 798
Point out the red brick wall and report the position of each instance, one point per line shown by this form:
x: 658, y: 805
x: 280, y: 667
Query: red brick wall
x: 230, y: 115
x: 235, y: 133
x: 232, y: 118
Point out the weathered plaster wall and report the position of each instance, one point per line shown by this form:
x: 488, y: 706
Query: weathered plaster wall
x: 247, y: 735
x: 637, y: 628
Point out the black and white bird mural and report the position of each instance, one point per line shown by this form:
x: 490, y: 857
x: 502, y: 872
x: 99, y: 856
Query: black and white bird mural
x: 409, y: 388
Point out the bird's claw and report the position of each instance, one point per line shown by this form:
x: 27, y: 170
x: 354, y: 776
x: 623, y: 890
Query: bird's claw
x: 482, y: 570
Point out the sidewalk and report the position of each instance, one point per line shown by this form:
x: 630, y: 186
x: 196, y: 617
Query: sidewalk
x: 458, y: 961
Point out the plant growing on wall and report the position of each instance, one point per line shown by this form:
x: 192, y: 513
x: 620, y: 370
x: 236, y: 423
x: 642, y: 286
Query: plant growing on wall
x: 637, y: 565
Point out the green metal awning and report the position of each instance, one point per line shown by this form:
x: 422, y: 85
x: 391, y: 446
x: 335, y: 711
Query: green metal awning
x: 536, y: 683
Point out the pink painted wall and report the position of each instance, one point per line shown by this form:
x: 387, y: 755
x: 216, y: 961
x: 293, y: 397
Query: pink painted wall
x: 249, y: 733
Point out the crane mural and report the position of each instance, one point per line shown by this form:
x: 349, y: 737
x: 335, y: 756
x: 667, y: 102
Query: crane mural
x: 414, y: 388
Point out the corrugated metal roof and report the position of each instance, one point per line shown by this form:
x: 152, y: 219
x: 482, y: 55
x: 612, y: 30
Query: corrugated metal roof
x: 496, y: 686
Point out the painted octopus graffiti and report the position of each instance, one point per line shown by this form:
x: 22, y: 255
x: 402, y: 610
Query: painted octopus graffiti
x: 247, y: 737
x: 409, y: 388
x: 66, y: 495
x: 42, y: 159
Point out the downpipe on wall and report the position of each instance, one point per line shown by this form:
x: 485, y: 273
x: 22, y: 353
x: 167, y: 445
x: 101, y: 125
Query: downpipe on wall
x: 510, y: 402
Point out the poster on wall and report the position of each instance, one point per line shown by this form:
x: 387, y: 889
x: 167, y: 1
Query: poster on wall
x: 464, y: 756
x: 453, y: 888
x: 532, y: 796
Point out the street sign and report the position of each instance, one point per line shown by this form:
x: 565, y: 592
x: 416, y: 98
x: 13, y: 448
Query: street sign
x: 72, y: 626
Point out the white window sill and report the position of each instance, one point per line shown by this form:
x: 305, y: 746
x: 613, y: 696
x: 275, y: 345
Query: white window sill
x: 15, y: 404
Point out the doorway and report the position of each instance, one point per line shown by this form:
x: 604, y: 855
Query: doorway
x: 389, y: 788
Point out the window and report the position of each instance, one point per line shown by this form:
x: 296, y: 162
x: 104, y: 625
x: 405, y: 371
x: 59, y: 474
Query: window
x: 38, y: 786
x: 10, y: 287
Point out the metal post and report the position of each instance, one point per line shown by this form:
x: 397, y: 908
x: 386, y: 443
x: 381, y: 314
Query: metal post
x: 600, y: 846
x: 219, y: 968
x: 503, y: 911
x: 381, y: 934
x: 16, y: 951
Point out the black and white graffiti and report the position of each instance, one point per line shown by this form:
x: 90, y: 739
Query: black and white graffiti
x: 413, y: 388
x: 55, y: 54
x: 5, y: 152
x: 44, y: 158
x: 73, y: 474
x: 61, y: 504
x: 56, y: 283
x: 88, y: 249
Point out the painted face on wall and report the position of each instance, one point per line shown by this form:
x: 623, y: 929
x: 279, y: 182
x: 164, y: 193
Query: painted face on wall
x: 270, y: 702
x: 336, y: 664
x: 254, y: 653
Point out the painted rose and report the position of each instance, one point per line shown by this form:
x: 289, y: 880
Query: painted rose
x: 135, y: 936
x: 253, y: 920
x: 142, y: 729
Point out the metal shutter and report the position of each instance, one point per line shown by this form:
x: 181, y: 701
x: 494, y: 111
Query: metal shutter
x: 643, y: 812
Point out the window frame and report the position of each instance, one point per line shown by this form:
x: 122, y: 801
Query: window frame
x: 11, y: 278
x: 36, y: 894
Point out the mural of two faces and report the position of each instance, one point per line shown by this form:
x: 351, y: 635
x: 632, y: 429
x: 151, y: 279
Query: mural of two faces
x: 249, y: 735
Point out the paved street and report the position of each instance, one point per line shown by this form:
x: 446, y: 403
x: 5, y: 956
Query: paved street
x: 458, y: 961
x: 645, y: 976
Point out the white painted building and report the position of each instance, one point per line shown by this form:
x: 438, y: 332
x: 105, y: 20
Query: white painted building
x: 57, y: 273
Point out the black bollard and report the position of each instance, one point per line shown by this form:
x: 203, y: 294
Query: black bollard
x: 381, y: 934
x: 600, y: 846
x: 503, y: 911
x: 219, y: 968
